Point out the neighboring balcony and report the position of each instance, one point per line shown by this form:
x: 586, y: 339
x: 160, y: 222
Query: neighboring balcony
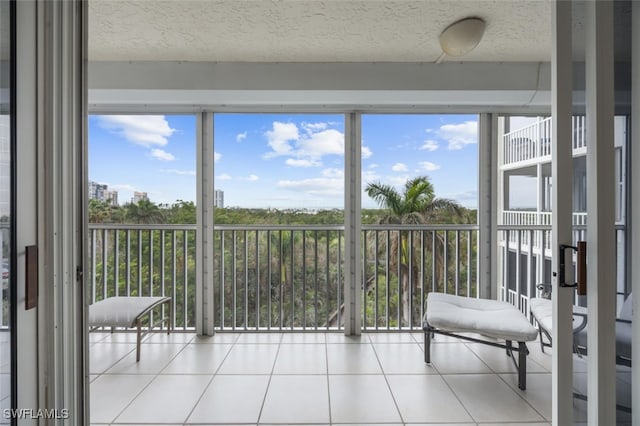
x: 531, y: 144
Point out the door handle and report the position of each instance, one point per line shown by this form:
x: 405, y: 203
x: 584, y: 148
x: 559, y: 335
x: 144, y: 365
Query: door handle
x: 31, y: 277
x: 581, y: 249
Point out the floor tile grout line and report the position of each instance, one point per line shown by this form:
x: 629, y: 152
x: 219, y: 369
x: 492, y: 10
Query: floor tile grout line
x: 145, y: 387
x: 458, y: 398
x: 326, y: 361
x: 266, y: 392
x: 386, y: 380
x: 213, y: 376
x: 500, y: 378
x: 117, y: 361
x: 135, y: 397
x: 522, y: 397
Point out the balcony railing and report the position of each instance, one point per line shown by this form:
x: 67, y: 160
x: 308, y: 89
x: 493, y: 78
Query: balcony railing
x: 286, y: 277
x: 522, y: 265
x: 534, y: 141
x: 145, y: 260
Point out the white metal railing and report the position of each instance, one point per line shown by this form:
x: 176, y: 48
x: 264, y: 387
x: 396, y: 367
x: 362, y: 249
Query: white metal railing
x: 534, y: 141
x: 286, y: 277
x: 528, y: 142
x: 523, y: 266
x: 525, y: 217
x: 144, y: 260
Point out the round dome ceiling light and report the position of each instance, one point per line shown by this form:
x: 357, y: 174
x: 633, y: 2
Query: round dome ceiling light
x: 461, y: 37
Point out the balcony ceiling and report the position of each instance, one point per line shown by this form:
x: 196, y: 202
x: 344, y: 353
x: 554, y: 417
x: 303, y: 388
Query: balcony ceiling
x: 204, y: 46
x: 318, y: 30
x: 310, y: 30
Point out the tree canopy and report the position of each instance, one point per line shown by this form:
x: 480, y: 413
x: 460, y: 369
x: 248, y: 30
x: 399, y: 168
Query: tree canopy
x: 417, y: 203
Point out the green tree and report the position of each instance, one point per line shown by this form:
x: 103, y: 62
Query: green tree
x: 181, y: 212
x: 144, y: 211
x: 416, y: 204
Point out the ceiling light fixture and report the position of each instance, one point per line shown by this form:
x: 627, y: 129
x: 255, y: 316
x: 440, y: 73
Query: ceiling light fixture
x: 461, y: 37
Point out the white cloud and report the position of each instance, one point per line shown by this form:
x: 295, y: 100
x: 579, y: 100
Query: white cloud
x: 144, y: 130
x: 223, y: 176
x: 316, y: 141
x: 252, y: 178
x: 322, y: 143
x: 459, y: 135
x: 162, y: 155
x: 374, y: 166
x: 241, y: 136
x: 369, y: 176
x: 280, y: 138
x: 399, y: 167
x: 429, y: 166
x: 314, y: 186
x: 216, y: 156
x: 333, y: 173
x: 366, y: 152
x: 179, y: 172
x: 397, y: 181
x: 314, y: 127
x: 429, y: 145
x: 293, y: 162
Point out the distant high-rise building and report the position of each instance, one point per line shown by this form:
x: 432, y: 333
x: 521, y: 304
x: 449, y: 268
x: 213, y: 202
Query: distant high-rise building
x: 111, y: 197
x: 96, y: 190
x: 139, y: 196
x: 218, y: 198
x: 100, y: 192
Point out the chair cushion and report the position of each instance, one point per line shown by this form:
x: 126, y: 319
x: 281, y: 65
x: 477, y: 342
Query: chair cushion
x: 491, y: 318
x: 542, y: 310
x: 120, y: 311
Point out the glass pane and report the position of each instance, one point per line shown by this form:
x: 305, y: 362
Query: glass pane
x: 279, y: 219
x: 6, y: 284
x: 419, y: 204
x: 142, y: 214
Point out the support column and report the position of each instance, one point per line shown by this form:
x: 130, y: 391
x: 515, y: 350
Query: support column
x: 562, y: 164
x: 352, y: 226
x: 634, y: 217
x: 204, y: 220
x: 487, y: 206
x: 601, y: 261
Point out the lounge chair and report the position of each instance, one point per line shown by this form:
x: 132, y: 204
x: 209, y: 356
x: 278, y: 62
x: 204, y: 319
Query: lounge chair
x: 450, y: 315
x: 541, y: 310
x: 128, y: 312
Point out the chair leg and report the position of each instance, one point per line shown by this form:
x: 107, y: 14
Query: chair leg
x: 170, y: 325
x: 541, y: 342
x: 139, y: 327
x: 522, y: 365
x: 427, y: 345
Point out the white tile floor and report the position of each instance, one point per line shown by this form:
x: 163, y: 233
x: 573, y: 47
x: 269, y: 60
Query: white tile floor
x: 317, y: 378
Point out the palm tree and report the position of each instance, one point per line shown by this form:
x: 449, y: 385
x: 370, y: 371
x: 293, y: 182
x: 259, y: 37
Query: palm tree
x: 144, y: 211
x: 417, y: 204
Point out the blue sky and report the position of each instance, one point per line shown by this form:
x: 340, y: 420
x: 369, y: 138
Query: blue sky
x: 282, y: 160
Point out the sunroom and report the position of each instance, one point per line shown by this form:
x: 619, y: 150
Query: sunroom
x: 284, y: 323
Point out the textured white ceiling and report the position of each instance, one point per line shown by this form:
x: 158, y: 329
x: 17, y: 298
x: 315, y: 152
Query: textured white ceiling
x: 311, y: 30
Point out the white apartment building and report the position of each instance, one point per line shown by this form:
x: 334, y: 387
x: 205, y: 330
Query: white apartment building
x: 525, y: 199
x: 218, y: 198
